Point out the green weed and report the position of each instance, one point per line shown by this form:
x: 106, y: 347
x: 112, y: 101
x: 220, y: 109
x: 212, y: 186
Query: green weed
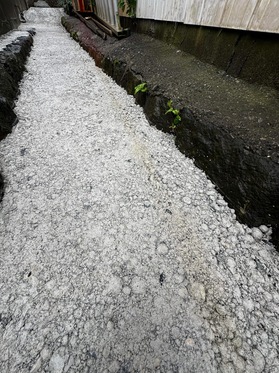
x: 142, y: 87
x: 175, y: 113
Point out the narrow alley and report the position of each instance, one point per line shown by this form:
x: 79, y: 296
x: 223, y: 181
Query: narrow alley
x: 117, y: 253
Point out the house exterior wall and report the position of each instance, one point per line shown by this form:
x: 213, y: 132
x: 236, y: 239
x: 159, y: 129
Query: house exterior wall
x: 253, y: 15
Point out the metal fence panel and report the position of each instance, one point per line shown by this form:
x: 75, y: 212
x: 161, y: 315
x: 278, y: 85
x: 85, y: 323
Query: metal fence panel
x: 107, y: 10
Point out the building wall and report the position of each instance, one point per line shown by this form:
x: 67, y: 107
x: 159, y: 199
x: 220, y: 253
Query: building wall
x: 9, y: 13
x: 253, y: 15
x: 248, y: 55
x: 107, y: 10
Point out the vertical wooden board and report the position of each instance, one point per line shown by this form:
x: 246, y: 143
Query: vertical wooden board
x: 166, y: 10
x: 266, y: 17
x: 180, y: 10
x: 177, y: 11
x: 166, y: 13
x: 192, y: 11
x: 161, y: 9
x: 149, y: 10
x: 259, y: 15
x: 139, y: 8
x: 213, y: 12
x: 146, y: 9
x: 237, y: 13
x: 152, y: 9
x: 141, y: 4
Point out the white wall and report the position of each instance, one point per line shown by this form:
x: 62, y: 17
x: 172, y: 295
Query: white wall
x: 256, y: 15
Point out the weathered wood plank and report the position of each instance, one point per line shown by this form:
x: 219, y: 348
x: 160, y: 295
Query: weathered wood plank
x: 266, y: 16
x: 237, y: 13
x: 193, y: 11
x: 258, y: 15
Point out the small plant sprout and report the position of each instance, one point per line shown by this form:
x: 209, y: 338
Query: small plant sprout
x: 142, y: 87
x: 176, y: 114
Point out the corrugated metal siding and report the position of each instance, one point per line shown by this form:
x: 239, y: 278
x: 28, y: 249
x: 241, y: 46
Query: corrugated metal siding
x: 107, y: 10
x: 256, y: 15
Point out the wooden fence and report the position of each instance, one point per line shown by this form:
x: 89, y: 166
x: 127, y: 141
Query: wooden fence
x: 256, y: 15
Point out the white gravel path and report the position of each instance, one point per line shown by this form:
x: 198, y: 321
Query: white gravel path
x: 11, y: 36
x: 117, y: 253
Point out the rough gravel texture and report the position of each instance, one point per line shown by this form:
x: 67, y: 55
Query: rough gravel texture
x: 11, y: 36
x: 117, y: 253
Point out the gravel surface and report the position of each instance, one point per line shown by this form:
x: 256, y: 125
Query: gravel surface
x: 11, y: 36
x: 117, y: 253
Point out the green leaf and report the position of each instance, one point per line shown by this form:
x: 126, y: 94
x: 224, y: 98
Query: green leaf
x: 142, y: 87
x: 121, y: 4
x: 168, y: 111
x: 177, y: 120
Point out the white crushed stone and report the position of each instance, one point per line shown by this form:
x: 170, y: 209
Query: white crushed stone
x: 257, y: 234
x: 11, y: 36
x: 117, y: 253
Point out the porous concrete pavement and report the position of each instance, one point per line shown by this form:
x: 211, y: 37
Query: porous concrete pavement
x: 117, y: 253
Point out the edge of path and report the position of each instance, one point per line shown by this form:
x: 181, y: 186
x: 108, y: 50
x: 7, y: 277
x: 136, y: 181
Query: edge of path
x: 229, y: 127
x: 13, y: 58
